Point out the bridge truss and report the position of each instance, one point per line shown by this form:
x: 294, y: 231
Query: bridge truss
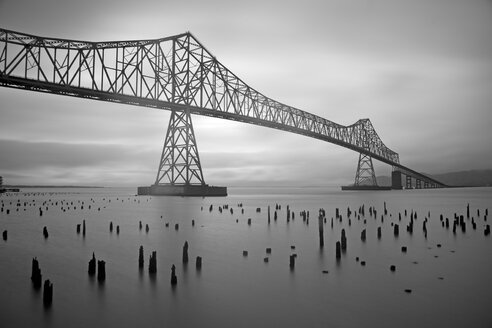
x: 175, y: 73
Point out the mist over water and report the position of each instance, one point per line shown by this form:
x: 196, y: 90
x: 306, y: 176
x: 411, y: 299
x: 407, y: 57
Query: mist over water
x: 450, y: 285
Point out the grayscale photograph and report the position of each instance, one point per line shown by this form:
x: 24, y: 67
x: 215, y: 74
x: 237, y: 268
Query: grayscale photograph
x: 318, y: 163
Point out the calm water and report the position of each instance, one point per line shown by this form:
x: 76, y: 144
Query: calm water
x: 451, y: 285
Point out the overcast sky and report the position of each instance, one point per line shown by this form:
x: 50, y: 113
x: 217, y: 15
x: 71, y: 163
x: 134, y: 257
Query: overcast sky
x: 421, y: 70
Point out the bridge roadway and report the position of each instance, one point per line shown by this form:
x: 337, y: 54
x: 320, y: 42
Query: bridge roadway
x: 175, y: 73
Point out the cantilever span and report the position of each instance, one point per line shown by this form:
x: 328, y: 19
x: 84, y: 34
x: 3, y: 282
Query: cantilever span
x: 175, y: 73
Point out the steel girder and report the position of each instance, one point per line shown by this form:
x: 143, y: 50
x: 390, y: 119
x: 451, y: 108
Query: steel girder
x: 172, y: 73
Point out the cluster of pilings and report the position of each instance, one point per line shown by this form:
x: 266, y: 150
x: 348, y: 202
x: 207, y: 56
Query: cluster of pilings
x: 101, y: 269
x: 459, y: 223
x: 37, y: 278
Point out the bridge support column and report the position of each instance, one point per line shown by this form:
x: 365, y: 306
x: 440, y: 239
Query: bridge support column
x: 180, y: 171
x: 365, y: 177
x: 396, y: 180
x: 426, y: 184
x: 408, y: 184
x: 418, y: 184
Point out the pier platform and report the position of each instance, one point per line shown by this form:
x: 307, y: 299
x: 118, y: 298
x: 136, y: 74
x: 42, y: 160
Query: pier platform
x: 183, y: 190
x: 352, y: 187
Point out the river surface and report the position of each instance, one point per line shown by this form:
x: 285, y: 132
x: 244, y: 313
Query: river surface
x: 448, y: 276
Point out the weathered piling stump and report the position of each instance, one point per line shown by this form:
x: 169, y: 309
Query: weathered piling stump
x: 47, y: 293
x: 363, y: 235
x: 176, y: 226
x: 147, y: 228
x: 292, y: 261
x: 198, y: 262
x: 36, y: 276
x: 153, y: 263
x: 174, y: 279
x: 487, y: 230
x: 111, y: 226
x: 379, y: 232
x: 193, y: 223
x: 4, y: 235
x: 83, y: 228
x: 404, y: 249
x: 249, y: 221
x: 45, y: 232
x: 320, y: 228
x: 338, y: 252
x: 269, y: 250
x: 245, y: 253
x: 101, y: 271
x: 92, y: 265
x: 396, y: 230
x: 185, y: 252
x: 139, y: 225
x: 392, y: 268
x: 78, y: 228
x: 117, y: 229
x: 343, y: 240
x: 141, y: 257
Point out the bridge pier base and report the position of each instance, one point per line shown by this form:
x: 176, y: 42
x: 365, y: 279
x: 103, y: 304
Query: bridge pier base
x: 396, y: 180
x: 183, y: 190
x: 180, y: 171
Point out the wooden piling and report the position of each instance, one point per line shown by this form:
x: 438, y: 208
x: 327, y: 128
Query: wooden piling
x: 92, y: 265
x: 153, y: 263
x: 185, y: 252
x: 47, y: 293
x: 36, y: 276
x: 141, y: 257
x: 101, y: 271
x: 174, y: 279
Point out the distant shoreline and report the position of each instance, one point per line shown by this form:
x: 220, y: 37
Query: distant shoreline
x: 23, y: 186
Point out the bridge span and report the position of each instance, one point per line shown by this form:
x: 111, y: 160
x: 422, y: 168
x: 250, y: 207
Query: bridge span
x: 179, y: 74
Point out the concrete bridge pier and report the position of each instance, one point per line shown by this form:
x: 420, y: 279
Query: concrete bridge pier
x: 396, y: 180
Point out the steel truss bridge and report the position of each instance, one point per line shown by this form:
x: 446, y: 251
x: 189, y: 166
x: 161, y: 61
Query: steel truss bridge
x: 179, y: 74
